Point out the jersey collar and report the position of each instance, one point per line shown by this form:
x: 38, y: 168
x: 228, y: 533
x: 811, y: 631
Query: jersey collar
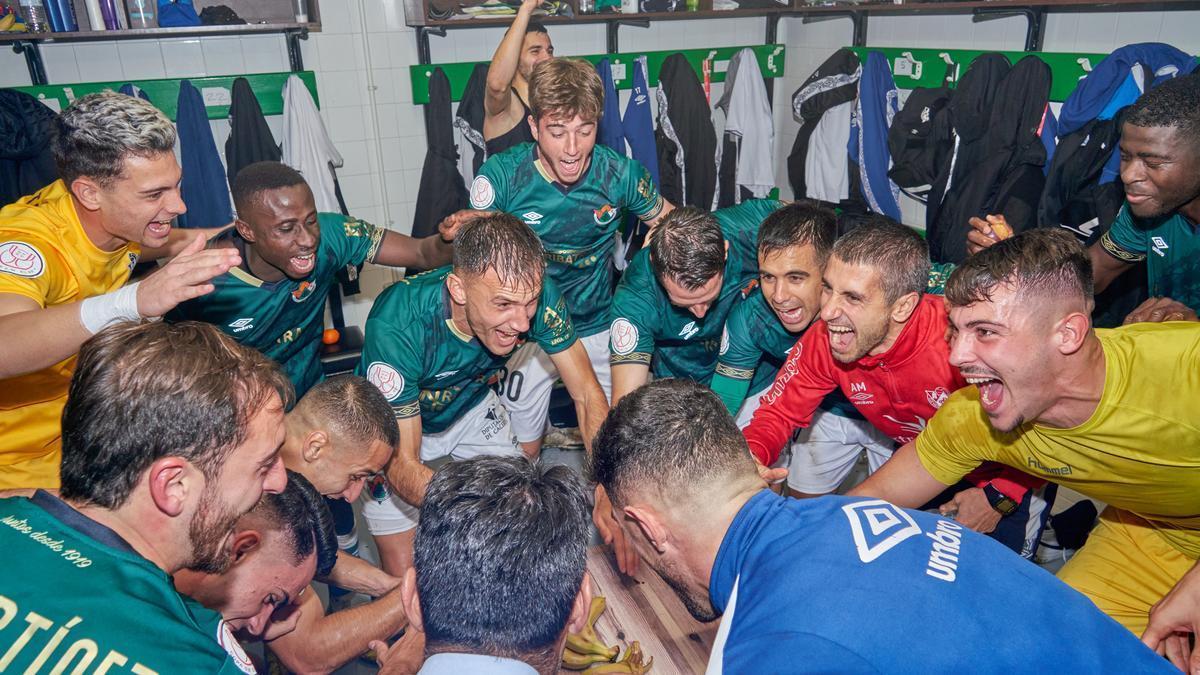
x: 448, y: 316
x: 65, y: 514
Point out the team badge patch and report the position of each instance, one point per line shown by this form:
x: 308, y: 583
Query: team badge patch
x: 482, y: 193
x: 937, y: 397
x: 133, y: 260
x: 624, y: 337
x: 21, y: 259
x: 387, y: 379
x: 604, y: 215
x: 878, y: 527
x: 303, y: 291
x: 230, y: 645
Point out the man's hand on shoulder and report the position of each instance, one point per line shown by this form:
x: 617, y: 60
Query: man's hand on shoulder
x: 186, y: 276
x: 1156, y: 310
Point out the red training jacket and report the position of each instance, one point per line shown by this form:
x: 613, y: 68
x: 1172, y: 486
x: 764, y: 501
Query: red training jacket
x: 897, y: 391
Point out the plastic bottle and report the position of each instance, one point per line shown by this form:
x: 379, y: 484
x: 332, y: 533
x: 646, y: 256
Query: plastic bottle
x: 142, y: 13
x: 35, y: 16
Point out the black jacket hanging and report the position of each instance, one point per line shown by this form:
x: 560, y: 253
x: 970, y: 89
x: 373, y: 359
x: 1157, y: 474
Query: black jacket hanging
x: 250, y: 138
x: 469, y: 119
x: 832, y: 84
x: 26, y: 129
x: 686, y: 139
x: 442, y: 190
x: 921, y: 140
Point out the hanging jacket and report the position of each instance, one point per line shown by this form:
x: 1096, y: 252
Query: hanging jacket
x: 749, y: 131
x: 250, y: 139
x: 469, y: 119
x: 442, y: 190
x: 1110, y: 78
x: 203, y: 188
x: 306, y: 145
x: 921, y: 140
x: 818, y: 163
x: 27, y: 127
x: 870, y: 160
x: 638, y: 128
x: 687, y: 141
x: 1000, y: 159
x: 610, y: 132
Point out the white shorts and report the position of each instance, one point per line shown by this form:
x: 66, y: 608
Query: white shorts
x: 528, y: 379
x: 746, y: 412
x: 483, y: 430
x: 824, y: 453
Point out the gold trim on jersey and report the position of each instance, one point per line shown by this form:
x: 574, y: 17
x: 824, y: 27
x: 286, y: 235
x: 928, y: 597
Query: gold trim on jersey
x: 407, y: 410
x: 537, y: 164
x: 636, y: 357
x: 735, y: 373
x: 457, y: 333
x: 1117, y: 251
x: 245, y: 277
x: 377, y: 235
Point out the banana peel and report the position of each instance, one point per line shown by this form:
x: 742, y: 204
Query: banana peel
x: 7, y: 21
x: 585, y: 648
x: 632, y: 664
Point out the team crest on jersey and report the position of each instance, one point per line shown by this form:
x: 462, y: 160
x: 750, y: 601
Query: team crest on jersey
x: 482, y: 193
x: 604, y: 215
x: 230, y: 645
x: 878, y: 527
x: 624, y: 337
x: 302, y: 291
x: 133, y: 259
x: 937, y: 397
x: 21, y: 259
x: 387, y: 379
x: 749, y: 287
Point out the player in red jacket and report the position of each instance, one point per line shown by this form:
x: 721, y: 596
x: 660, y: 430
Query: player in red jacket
x: 881, y: 340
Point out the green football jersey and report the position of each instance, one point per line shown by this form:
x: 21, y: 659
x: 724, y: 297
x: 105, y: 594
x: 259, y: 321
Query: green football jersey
x: 576, y: 223
x: 77, y: 598
x: 284, y: 319
x: 1170, y: 246
x: 425, y: 365
x: 754, y: 347
x: 646, y: 328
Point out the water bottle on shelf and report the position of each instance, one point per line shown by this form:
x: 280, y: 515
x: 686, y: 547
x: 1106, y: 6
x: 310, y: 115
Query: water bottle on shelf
x: 35, y: 16
x: 142, y: 13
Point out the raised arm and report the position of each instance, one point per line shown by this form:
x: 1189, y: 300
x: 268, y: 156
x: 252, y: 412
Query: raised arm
x: 498, y: 97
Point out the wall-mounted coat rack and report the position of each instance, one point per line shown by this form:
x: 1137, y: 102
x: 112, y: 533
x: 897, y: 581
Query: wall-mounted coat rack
x: 164, y: 93
x: 913, y: 67
x: 770, y: 61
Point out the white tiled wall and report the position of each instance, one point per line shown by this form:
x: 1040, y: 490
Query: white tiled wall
x: 361, y: 58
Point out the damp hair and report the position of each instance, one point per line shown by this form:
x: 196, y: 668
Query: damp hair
x: 501, y: 242
x: 803, y: 223
x: 1038, y: 263
x: 687, y: 247
x: 564, y: 88
x: 897, y: 252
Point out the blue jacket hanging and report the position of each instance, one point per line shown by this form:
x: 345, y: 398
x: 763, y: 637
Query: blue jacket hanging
x: 1108, y: 87
x: 205, y: 189
x: 610, y: 132
x: 638, y: 128
x: 876, y: 106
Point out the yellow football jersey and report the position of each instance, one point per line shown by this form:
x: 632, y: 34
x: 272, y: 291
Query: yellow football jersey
x: 46, y: 256
x: 1139, y: 451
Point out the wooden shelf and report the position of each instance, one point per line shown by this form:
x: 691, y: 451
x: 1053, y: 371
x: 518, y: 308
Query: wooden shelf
x: 161, y: 33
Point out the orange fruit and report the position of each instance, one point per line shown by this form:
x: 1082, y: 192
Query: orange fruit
x: 331, y: 336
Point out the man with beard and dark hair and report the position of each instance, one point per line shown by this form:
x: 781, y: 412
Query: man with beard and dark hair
x: 1160, y: 168
x: 170, y: 434
x: 834, y: 582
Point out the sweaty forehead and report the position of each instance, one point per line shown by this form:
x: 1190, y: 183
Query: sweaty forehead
x: 266, y: 207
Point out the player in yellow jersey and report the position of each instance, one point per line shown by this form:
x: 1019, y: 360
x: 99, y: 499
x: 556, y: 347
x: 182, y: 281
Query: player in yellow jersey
x: 66, y: 253
x: 1109, y: 413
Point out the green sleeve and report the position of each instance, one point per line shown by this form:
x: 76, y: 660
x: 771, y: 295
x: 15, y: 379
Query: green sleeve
x: 350, y: 241
x: 939, y: 274
x: 732, y: 391
x: 641, y: 194
x: 1124, y: 240
x: 633, y: 314
x: 552, y: 327
x: 740, y: 225
x: 391, y: 361
x: 489, y: 190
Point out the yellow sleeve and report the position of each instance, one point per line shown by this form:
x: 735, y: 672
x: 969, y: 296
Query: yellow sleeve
x: 957, y: 439
x: 32, y: 267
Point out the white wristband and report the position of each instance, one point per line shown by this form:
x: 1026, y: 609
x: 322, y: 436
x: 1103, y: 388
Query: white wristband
x: 101, y: 311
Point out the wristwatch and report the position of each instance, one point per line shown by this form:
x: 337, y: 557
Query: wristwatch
x: 1003, y: 504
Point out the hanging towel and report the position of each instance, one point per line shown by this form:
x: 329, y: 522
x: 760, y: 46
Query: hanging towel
x: 638, y: 128
x: 250, y: 138
x: 878, y: 101
x: 442, y: 190
x: 306, y: 144
x: 469, y: 119
x: 204, y: 188
x: 687, y: 141
x: 748, y: 121
x: 610, y: 133
x: 817, y: 169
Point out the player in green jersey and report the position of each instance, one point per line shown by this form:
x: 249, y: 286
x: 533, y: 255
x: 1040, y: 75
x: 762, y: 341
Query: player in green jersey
x: 574, y: 195
x: 170, y: 434
x: 793, y: 245
x: 275, y: 300
x: 436, y: 341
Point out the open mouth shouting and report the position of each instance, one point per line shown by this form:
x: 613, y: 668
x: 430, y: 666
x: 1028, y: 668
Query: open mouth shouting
x: 302, y: 265
x: 159, y: 229
x: 506, y: 340
x: 793, y: 318
x: 570, y: 168
x: 841, y: 338
x: 991, y: 390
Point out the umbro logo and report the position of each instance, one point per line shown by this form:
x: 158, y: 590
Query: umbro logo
x: 242, y: 324
x: 858, y: 394
x: 689, y: 330
x: 532, y: 217
x: 878, y: 527
x: 1160, y: 245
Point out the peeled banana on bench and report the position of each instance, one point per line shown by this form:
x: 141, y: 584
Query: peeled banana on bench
x: 7, y: 21
x: 585, y: 651
x: 632, y: 664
